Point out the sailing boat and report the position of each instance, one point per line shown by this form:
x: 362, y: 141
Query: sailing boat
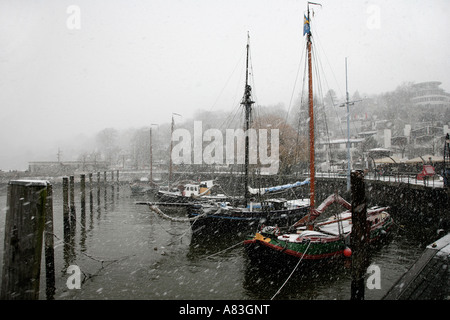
x: 225, y: 217
x: 186, y: 191
x: 307, y: 238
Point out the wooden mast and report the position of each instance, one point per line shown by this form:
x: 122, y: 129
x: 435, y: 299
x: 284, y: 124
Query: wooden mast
x: 171, y: 146
x: 311, y: 121
x: 247, y: 103
x: 311, y: 116
x: 151, y: 154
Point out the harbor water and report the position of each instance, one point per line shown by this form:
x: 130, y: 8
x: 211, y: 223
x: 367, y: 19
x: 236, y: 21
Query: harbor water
x: 125, y: 251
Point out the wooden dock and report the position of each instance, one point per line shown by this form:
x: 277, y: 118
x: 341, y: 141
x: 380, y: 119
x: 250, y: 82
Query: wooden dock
x: 428, y: 278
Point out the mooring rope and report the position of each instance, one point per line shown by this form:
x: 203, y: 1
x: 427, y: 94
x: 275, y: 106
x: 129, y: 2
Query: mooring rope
x: 298, y: 263
x: 155, y: 209
x: 167, y: 231
x: 234, y: 245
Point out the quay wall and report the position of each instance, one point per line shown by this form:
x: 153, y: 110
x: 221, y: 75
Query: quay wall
x: 409, y: 202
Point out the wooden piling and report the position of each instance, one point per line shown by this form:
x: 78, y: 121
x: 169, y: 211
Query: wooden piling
x: 72, y: 202
x: 91, y: 199
x: 90, y: 181
x: 83, y: 210
x: 83, y: 194
x: 66, y: 216
x: 98, y: 191
x: 28, y: 203
x: 359, y: 236
x: 49, y: 246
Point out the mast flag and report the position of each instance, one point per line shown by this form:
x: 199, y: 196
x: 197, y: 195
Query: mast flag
x: 306, y: 29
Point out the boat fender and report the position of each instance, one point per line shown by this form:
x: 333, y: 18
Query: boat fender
x: 347, y: 252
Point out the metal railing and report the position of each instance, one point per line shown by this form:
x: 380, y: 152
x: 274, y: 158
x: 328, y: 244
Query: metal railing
x: 435, y: 181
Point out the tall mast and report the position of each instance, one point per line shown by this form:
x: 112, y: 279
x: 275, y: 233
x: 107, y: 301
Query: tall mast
x: 311, y: 119
x: 151, y: 153
x: 247, y: 103
x: 151, y: 156
x: 348, y: 128
x: 311, y: 123
x: 347, y: 104
x: 307, y: 31
x: 171, y: 146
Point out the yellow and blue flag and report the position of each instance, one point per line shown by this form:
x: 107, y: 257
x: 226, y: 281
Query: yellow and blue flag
x: 306, y: 29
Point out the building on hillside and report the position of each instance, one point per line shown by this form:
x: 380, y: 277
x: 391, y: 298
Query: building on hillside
x: 431, y: 102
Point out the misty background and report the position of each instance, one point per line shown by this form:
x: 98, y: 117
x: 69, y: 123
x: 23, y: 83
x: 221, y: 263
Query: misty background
x: 73, y: 71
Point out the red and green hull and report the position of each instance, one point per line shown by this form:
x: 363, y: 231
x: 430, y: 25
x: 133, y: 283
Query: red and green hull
x: 306, y: 250
x: 310, y: 248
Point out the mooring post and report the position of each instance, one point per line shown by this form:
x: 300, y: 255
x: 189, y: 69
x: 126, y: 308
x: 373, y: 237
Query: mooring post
x: 28, y: 202
x: 49, y: 246
x: 90, y: 181
x: 112, y: 185
x: 73, y: 217
x: 359, y: 236
x: 91, y: 206
x: 66, y: 218
x: 98, y: 188
x: 83, y: 198
x: 83, y: 193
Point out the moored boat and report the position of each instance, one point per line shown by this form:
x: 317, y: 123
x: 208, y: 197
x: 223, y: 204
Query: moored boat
x: 191, y: 192
x: 231, y: 217
x: 222, y: 217
x: 308, y: 238
x: 327, y: 239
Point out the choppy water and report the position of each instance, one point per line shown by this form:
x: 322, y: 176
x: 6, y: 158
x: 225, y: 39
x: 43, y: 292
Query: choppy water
x: 147, y: 257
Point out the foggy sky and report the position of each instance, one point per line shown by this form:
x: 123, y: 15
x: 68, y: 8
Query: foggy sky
x: 133, y: 63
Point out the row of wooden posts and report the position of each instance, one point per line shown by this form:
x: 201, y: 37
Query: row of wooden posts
x: 29, y: 227
x: 69, y: 214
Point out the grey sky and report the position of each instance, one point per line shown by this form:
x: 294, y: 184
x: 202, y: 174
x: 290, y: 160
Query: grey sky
x: 132, y: 63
